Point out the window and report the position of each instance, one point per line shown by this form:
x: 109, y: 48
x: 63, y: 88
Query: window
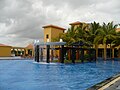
x: 47, y: 36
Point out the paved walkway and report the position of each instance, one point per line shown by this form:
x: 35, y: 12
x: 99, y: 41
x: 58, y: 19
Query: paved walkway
x: 13, y: 58
x: 112, y: 83
x: 114, y: 86
x: 17, y: 57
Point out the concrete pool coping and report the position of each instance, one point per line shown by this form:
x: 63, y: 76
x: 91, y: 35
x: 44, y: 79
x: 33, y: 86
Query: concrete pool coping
x: 14, y: 58
x: 106, y: 83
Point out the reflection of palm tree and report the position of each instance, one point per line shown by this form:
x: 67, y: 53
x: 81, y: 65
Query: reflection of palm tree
x: 105, y: 35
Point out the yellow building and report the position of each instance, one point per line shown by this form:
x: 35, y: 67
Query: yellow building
x: 30, y: 50
x: 23, y: 51
x: 51, y: 32
x: 5, y: 50
x: 115, y: 51
x: 8, y: 51
x: 82, y: 24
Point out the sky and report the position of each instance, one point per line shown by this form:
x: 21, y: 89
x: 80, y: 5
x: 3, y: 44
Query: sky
x: 21, y: 21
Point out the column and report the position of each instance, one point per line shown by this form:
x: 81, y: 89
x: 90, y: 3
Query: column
x: 82, y: 55
x: 37, y: 53
x: 48, y: 54
x: 73, y: 55
x: 112, y: 53
x: 119, y: 53
x: 62, y: 54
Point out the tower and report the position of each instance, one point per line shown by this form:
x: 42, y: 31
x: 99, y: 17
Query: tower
x: 81, y: 24
x: 52, y: 31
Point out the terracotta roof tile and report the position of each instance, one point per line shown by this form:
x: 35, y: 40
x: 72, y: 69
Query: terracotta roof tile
x: 75, y: 23
x: 4, y: 45
x: 30, y: 46
x: 118, y: 30
x: 54, y: 26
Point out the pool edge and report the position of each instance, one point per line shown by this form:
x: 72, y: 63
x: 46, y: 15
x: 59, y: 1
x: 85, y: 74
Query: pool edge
x: 106, y: 83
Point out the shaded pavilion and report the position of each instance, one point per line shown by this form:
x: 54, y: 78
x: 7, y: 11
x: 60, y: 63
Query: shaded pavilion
x: 74, y: 49
x: 38, y: 50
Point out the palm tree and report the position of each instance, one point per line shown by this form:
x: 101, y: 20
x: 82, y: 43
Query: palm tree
x: 116, y: 43
x: 106, y: 33
x: 69, y: 37
x: 81, y: 33
x: 74, y: 34
x: 92, y: 34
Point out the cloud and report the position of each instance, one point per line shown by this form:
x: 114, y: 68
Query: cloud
x: 21, y: 21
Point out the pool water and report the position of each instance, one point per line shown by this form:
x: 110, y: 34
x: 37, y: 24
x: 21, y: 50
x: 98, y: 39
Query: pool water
x: 27, y: 75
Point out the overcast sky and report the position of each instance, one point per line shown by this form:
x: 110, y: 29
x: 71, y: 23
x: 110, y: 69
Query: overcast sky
x: 21, y: 21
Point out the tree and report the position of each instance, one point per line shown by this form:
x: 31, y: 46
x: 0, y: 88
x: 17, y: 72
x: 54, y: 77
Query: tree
x: 106, y: 34
x: 116, y: 42
x: 93, y: 34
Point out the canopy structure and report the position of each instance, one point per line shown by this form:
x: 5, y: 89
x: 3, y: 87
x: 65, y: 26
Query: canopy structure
x: 81, y: 43
x: 73, y: 51
x: 51, y: 43
x: 48, y: 44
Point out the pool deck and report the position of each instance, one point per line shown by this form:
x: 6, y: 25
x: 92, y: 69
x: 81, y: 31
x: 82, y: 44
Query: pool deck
x: 14, y: 58
x: 112, y: 83
x: 114, y: 86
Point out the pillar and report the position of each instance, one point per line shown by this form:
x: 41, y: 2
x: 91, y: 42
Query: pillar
x: 48, y: 54
x: 51, y: 54
x: 112, y: 53
x: 17, y: 52
x: 69, y: 54
x: 41, y: 54
x: 37, y: 53
x: 62, y: 54
x: 119, y: 53
x: 24, y: 52
x: 77, y: 55
x: 73, y: 55
x: 82, y: 55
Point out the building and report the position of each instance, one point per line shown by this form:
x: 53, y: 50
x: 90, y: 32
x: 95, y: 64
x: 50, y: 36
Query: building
x: 51, y: 32
x: 5, y: 50
x: 111, y: 52
x: 81, y: 24
x: 8, y: 51
x: 30, y: 50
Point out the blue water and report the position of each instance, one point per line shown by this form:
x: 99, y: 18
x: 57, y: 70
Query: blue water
x: 27, y: 75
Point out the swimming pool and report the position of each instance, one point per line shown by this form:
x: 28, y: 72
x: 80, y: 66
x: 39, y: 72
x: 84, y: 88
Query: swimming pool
x: 27, y: 75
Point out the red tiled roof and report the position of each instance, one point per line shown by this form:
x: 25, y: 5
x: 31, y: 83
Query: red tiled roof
x: 4, y: 45
x: 54, y: 26
x: 30, y: 46
x: 118, y: 30
x: 75, y: 23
